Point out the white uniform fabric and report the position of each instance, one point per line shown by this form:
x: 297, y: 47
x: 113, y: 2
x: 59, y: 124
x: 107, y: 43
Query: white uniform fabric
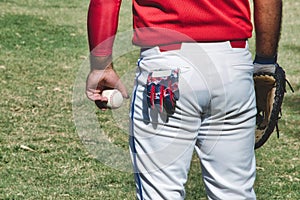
x: 215, y: 115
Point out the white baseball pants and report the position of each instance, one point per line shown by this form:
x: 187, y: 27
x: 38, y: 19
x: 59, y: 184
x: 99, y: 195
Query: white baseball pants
x: 215, y: 115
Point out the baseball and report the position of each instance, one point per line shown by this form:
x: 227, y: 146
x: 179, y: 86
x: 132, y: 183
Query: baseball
x: 115, y: 98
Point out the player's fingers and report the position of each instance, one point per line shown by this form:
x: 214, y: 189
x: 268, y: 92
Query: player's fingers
x: 92, y: 96
x: 121, y: 87
x: 92, y: 90
x: 95, y: 95
x: 114, y: 81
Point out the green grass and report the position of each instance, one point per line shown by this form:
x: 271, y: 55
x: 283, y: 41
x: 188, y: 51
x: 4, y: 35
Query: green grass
x: 43, y: 46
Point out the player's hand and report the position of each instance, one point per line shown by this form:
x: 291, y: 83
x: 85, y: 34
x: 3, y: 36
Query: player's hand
x: 100, y: 79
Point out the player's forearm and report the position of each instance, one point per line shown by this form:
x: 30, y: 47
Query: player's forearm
x: 102, y: 25
x: 267, y: 20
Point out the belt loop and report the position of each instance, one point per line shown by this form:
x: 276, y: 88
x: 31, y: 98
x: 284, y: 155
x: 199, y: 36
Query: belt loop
x: 238, y: 43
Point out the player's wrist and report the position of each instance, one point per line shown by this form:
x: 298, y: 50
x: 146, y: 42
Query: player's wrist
x: 265, y: 60
x: 100, y: 62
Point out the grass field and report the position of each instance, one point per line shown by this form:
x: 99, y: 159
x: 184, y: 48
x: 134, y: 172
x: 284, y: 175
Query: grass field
x: 43, y: 46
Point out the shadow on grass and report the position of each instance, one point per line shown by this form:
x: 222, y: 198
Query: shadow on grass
x: 292, y: 103
x: 292, y: 47
x: 291, y: 113
x: 292, y: 99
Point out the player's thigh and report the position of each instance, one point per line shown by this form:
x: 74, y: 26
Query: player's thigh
x: 226, y: 139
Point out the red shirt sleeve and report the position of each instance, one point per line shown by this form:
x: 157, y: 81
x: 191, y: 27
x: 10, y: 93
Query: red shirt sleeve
x: 102, y: 24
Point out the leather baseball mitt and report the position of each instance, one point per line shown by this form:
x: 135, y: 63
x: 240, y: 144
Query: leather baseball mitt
x: 269, y: 89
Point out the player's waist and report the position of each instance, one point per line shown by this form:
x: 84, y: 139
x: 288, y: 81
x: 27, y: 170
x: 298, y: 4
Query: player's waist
x: 206, y: 46
x: 158, y: 36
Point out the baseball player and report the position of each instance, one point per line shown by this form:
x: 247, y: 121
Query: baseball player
x: 193, y: 89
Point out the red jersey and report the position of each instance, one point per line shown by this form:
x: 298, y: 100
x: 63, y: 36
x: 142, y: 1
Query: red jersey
x: 159, y: 22
x: 196, y: 20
